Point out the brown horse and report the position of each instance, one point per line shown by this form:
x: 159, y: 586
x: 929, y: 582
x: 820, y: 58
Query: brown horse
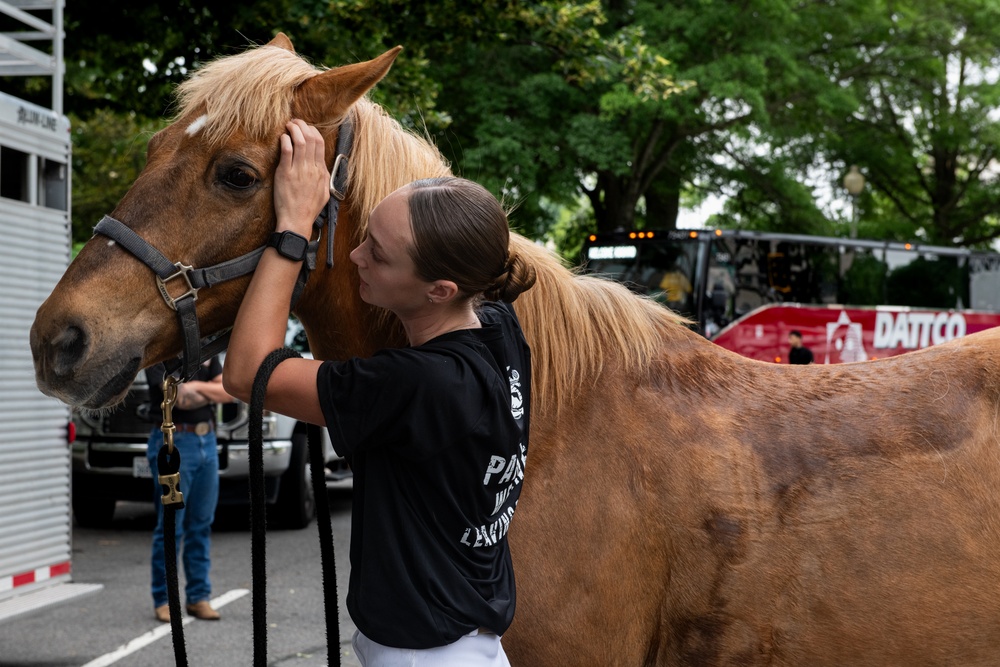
x: 682, y: 505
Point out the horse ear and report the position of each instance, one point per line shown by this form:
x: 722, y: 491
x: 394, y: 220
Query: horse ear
x: 335, y: 90
x: 282, y: 42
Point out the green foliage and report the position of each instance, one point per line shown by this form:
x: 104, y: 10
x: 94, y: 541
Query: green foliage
x: 597, y: 115
x: 109, y: 151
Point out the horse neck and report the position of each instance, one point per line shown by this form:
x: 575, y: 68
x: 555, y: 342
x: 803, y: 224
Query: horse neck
x: 338, y: 323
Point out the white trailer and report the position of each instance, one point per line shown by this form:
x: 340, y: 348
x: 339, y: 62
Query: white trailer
x: 35, y: 523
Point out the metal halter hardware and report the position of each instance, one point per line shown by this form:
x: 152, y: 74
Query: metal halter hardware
x: 197, y: 349
x: 182, y: 271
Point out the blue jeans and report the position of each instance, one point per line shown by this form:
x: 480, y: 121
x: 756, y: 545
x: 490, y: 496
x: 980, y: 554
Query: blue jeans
x: 200, y: 486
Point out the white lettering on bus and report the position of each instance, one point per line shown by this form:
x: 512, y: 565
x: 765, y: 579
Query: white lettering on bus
x: 912, y: 331
x: 613, y: 252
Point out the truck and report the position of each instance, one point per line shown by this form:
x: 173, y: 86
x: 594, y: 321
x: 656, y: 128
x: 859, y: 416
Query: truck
x: 36, y: 569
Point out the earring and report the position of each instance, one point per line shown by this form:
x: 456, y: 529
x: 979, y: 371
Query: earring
x: 430, y: 300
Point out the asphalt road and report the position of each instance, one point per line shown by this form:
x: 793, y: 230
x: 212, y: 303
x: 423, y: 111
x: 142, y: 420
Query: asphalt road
x: 116, y: 626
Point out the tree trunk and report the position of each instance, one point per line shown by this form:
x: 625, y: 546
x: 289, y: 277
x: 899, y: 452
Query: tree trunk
x: 663, y: 201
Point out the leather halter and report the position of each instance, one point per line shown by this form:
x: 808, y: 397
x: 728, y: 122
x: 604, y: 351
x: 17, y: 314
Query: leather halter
x: 196, y: 348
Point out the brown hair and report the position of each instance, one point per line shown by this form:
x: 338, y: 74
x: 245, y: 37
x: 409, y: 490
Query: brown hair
x: 460, y: 233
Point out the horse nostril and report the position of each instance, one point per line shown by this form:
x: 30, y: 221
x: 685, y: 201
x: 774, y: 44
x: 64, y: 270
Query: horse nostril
x: 68, y: 350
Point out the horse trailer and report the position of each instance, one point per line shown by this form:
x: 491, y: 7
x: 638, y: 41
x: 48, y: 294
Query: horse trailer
x: 35, y: 515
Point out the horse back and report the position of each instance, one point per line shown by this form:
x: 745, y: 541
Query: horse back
x: 738, y: 512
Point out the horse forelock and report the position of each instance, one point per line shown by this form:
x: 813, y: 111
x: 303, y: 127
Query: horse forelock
x: 579, y: 325
x: 251, y: 92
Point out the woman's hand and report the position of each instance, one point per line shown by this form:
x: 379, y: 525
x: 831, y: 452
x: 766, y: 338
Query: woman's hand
x: 301, y: 181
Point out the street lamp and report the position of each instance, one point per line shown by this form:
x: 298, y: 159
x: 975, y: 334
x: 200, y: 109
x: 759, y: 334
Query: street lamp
x: 854, y: 182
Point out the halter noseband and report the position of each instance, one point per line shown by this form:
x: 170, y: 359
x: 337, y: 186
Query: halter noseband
x: 197, y: 349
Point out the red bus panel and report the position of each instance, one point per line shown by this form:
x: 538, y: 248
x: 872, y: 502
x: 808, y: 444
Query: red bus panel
x: 838, y: 334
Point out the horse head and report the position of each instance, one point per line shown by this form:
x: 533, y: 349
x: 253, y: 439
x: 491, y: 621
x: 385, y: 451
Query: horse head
x: 203, y: 198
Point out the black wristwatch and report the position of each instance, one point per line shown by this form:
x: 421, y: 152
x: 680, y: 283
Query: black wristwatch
x: 289, y: 245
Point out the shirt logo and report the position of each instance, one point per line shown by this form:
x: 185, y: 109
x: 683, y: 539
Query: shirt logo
x: 516, y: 398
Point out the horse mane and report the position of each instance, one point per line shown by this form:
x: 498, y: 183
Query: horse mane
x: 580, y: 325
x: 254, y: 91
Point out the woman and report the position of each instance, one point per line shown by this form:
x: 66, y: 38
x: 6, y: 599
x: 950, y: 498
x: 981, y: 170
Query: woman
x: 437, y: 432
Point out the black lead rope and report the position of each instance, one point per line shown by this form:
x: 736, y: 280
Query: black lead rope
x: 168, y: 466
x: 258, y: 523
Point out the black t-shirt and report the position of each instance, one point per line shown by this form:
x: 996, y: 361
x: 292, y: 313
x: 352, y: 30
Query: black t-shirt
x: 154, y: 377
x: 800, y: 355
x: 437, y: 437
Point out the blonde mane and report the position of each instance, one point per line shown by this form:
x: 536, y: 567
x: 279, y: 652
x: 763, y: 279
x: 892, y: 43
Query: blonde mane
x: 380, y: 141
x: 576, y: 325
x: 579, y: 325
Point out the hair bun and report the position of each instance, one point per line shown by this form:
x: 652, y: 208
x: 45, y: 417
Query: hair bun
x: 517, y: 276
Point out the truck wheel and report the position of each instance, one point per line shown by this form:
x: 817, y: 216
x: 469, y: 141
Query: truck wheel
x: 296, y: 504
x: 93, y: 511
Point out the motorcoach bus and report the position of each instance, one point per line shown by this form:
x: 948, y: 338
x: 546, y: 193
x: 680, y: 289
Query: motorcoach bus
x: 851, y: 299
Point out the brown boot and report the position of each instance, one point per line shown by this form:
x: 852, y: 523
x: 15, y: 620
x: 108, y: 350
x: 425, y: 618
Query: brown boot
x: 203, y: 610
x: 162, y: 613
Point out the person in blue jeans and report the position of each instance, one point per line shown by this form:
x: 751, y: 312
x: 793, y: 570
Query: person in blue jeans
x: 194, y: 438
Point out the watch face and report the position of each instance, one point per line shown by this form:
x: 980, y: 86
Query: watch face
x: 293, y: 246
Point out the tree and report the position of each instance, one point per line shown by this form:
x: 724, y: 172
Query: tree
x: 925, y: 129
x: 559, y: 105
x: 109, y: 151
x: 602, y: 115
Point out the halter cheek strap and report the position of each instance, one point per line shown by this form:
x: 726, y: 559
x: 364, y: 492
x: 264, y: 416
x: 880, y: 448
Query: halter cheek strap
x: 197, y: 349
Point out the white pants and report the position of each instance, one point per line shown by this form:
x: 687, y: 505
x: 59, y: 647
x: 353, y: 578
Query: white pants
x: 473, y: 650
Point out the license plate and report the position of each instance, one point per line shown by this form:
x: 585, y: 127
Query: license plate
x: 140, y: 467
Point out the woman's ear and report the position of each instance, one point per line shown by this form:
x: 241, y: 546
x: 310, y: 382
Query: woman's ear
x: 442, y: 291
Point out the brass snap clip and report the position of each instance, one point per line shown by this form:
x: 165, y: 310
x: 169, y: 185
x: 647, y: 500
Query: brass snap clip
x: 168, y: 460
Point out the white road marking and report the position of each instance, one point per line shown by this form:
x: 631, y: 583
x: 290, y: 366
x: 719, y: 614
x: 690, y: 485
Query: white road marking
x: 161, y: 631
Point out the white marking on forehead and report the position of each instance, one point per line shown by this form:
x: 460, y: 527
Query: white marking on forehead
x: 111, y: 243
x: 195, y: 127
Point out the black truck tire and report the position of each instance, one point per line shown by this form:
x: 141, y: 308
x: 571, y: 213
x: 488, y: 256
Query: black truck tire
x: 296, y: 504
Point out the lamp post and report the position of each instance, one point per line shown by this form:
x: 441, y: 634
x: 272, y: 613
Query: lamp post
x: 854, y: 183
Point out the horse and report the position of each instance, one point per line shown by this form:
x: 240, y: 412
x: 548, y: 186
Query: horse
x: 681, y: 505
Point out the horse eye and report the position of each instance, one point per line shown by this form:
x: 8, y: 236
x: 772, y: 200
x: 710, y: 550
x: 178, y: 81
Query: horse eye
x: 239, y: 178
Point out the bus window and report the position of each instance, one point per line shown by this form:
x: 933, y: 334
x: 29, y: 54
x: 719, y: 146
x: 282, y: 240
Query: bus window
x: 14, y: 174
x: 812, y: 272
x: 667, y: 273
x: 753, y: 264
x: 984, y: 282
x: 720, y: 289
x: 52, y: 187
x: 926, y: 280
x: 612, y: 261
x: 862, y: 277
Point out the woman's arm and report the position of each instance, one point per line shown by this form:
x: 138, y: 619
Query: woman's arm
x: 301, y: 189
x: 211, y: 390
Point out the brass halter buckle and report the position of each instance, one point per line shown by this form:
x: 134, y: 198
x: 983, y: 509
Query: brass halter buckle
x: 183, y: 271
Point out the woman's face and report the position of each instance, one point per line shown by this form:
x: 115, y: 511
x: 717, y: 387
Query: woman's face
x: 388, y: 276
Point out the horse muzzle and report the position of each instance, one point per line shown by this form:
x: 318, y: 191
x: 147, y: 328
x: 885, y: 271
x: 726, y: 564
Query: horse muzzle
x: 66, y: 367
